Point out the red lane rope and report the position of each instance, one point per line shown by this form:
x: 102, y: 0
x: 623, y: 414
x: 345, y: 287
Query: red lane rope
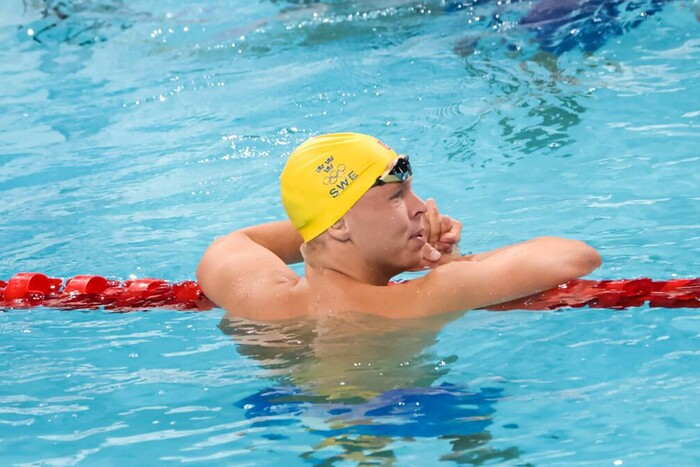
x: 32, y: 289
x: 616, y: 294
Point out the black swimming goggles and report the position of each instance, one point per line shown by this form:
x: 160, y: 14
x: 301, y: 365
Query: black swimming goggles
x: 397, y: 173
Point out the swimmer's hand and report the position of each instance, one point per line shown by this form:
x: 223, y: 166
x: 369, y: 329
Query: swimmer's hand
x: 443, y: 234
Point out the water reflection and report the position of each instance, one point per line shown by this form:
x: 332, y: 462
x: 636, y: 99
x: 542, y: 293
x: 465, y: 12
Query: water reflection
x: 516, y: 49
x: 364, y: 384
x: 553, y: 26
x: 79, y: 22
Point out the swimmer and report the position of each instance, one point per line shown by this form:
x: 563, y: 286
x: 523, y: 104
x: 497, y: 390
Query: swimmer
x: 355, y: 222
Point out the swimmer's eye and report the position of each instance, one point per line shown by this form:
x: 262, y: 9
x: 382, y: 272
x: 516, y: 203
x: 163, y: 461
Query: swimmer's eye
x: 399, y: 193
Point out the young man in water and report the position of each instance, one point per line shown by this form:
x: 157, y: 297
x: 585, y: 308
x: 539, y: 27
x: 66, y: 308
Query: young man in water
x: 356, y: 223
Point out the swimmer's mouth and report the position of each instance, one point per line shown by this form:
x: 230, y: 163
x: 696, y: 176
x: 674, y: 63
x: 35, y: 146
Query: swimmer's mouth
x: 419, y: 235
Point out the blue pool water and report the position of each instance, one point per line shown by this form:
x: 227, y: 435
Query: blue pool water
x: 133, y: 133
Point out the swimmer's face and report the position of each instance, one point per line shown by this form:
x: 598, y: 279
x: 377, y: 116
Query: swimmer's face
x: 386, y: 226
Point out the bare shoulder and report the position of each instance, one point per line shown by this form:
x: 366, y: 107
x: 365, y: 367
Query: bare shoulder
x: 249, y: 280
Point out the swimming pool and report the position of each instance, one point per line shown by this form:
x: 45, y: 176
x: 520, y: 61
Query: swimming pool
x: 134, y: 133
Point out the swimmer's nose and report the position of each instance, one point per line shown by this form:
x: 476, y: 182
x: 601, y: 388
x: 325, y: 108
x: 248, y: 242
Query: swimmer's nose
x: 416, y: 205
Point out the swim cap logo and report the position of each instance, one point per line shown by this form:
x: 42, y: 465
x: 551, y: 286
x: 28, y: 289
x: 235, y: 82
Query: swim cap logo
x: 334, y: 175
x: 338, y: 176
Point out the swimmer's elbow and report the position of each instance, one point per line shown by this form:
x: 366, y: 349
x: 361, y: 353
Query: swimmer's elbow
x: 204, y: 267
x: 594, y: 260
x: 210, y: 274
x: 203, y: 278
x: 564, y: 259
x: 201, y: 272
x: 583, y: 259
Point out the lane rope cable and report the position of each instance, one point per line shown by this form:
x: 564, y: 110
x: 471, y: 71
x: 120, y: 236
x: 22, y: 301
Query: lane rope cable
x: 85, y: 292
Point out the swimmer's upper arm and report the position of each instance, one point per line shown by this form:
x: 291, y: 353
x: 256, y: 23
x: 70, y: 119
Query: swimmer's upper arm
x: 245, y: 272
x: 510, y: 273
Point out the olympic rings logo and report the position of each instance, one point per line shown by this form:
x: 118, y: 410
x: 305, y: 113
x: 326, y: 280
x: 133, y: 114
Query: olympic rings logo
x: 334, y: 175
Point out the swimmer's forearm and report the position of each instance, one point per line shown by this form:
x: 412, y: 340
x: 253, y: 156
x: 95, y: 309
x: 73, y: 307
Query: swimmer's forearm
x: 487, y: 254
x: 560, y: 259
x: 506, y: 274
x: 539, y: 245
x: 279, y: 237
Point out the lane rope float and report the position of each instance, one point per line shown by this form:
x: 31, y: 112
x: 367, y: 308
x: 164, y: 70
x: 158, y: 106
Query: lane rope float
x: 85, y: 292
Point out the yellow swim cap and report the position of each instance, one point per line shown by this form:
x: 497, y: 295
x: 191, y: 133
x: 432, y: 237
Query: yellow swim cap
x: 326, y: 175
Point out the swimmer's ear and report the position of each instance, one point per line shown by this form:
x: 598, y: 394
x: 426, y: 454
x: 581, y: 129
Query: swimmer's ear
x: 339, y: 231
